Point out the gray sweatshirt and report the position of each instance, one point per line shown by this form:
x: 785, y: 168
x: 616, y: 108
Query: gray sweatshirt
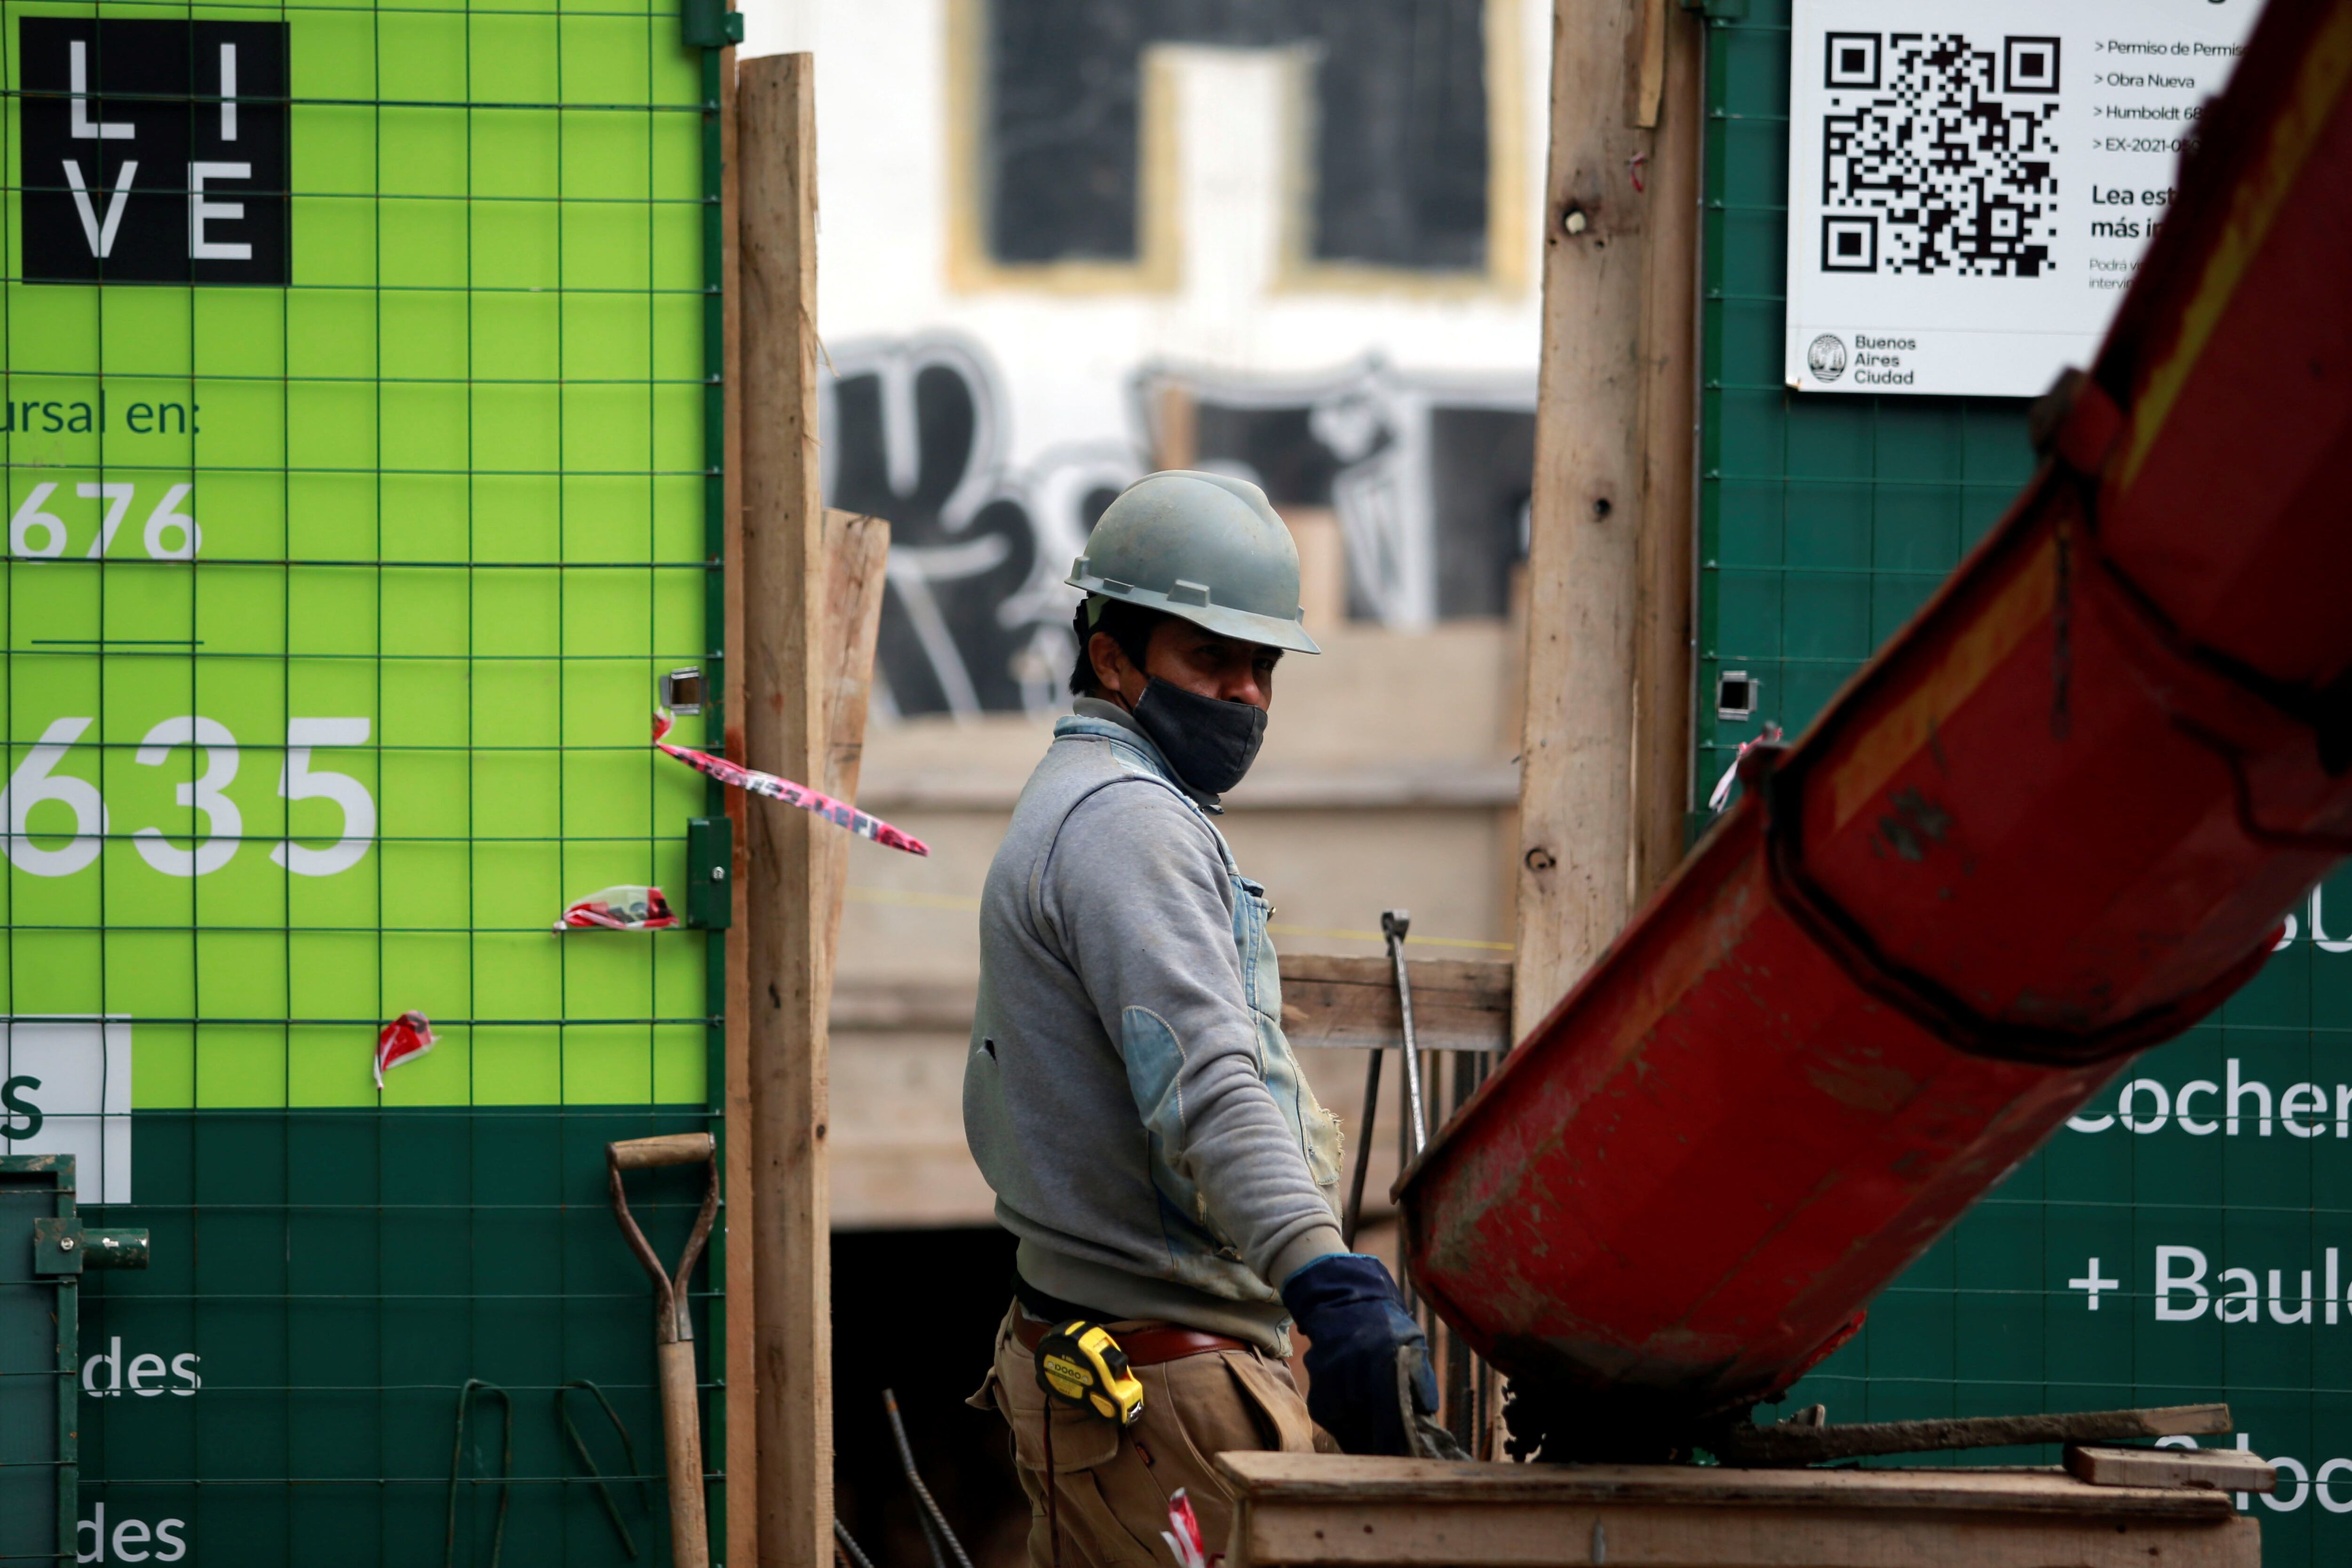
x: 1130, y: 1094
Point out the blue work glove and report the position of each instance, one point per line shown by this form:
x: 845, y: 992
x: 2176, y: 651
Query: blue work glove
x: 1364, y: 1352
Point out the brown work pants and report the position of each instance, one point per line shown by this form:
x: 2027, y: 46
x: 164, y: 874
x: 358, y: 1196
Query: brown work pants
x: 1112, y: 1486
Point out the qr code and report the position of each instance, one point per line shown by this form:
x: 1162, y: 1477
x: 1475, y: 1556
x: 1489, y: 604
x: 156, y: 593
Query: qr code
x: 1937, y: 155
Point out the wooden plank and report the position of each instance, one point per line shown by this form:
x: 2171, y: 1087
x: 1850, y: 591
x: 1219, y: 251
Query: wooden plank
x: 1458, y: 1003
x: 892, y: 1005
x: 785, y: 703
x: 1175, y: 435
x: 1365, y: 1479
x: 1576, y: 744
x: 2222, y: 1469
x: 856, y: 554
x: 1307, y: 1509
x: 1322, y: 564
x: 1739, y: 1536
x: 1646, y: 82
x: 1665, y: 550
x: 1800, y: 1442
x: 741, y: 1437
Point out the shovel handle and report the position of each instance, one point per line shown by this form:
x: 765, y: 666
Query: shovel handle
x: 670, y: 1148
x: 690, y: 1534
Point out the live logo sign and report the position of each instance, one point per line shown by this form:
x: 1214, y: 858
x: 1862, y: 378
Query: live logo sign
x: 154, y: 152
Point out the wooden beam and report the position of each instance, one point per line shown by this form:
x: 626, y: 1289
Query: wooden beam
x: 792, y: 901
x: 1646, y: 82
x: 1600, y: 601
x: 1811, y: 1438
x: 856, y: 554
x: 1665, y: 550
x: 1350, y: 1003
x: 1176, y: 434
x: 1348, y: 1511
x: 1267, y: 1477
x: 1576, y: 734
x: 2219, y: 1469
x: 741, y: 1441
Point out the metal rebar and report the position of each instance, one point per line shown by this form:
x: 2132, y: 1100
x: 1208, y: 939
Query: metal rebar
x: 579, y: 1444
x: 849, y: 1547
x: 458, y: 1467
x: 1355, y: 1215
x: 934, y: 1520
x: 1394, y: 924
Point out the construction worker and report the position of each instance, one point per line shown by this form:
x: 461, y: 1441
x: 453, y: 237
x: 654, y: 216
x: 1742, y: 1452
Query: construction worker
x: 1130, y: 1094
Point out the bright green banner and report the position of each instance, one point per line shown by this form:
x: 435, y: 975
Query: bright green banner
x: 333, y: 610
x: 354, y: 459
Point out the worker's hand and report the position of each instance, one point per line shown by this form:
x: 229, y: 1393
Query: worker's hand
x: 1365, y: 1356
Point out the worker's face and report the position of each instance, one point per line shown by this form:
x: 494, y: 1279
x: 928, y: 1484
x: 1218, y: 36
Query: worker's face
x: 1193, y: 658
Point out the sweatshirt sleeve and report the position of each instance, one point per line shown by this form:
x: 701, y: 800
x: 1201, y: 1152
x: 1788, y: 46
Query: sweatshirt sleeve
x: 1137, y: 893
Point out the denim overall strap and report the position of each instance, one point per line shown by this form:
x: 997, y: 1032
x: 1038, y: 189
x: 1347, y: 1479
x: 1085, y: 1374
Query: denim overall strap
x: 1318, y: 1131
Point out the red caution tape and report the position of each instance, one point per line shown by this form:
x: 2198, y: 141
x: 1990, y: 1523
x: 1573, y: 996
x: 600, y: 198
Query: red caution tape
x: 402, y: 1040
x: 840, y: 812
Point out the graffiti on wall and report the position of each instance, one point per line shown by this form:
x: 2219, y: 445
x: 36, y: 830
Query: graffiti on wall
x: 974, y: 618
x: 1428, y: 478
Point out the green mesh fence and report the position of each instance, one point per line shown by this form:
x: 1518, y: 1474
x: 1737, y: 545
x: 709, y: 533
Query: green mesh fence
x: 359, y: 472
x: 1825, y: 520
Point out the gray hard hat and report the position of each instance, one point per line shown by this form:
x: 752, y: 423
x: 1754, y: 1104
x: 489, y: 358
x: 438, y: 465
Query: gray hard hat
x: 1206, y: 547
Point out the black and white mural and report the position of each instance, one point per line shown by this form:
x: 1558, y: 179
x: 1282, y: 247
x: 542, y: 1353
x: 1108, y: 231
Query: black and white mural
x: 975, y: 619
x: 1428, y: 478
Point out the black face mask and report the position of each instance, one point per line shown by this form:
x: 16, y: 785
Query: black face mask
x: 1211, y: 743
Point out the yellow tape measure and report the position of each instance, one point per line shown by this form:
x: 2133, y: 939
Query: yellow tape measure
x: 1080, y: 1364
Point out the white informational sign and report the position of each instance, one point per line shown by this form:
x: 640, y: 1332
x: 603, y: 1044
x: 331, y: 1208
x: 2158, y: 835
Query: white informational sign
x: 65, y: 1089
x: 1971, y: 182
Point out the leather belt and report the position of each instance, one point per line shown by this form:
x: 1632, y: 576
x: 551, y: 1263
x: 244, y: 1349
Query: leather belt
x: 1144, y: 1347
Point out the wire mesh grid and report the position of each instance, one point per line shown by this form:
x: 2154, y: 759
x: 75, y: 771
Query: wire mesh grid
x: 2159, y: 1250
x: 339, y: 576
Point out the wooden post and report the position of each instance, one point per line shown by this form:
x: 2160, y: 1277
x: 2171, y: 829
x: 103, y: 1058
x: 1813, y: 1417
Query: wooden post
x: 856, y: 555
x: 1176, y: 438
x: 793, y: 904
x: 1607, y: 613
x: 1665, y: 621
x: 741, y: 1440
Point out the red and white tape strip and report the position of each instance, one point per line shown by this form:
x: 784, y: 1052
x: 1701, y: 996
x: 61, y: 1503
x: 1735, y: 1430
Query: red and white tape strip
x: 839, y: 813
x: 1721, y: 795
x: 627, y: 908
x: 1183, y: 1534
x: 401, y: 1041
